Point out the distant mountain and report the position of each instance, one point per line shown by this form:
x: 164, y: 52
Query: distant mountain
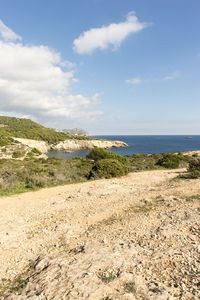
x: 76, y: 131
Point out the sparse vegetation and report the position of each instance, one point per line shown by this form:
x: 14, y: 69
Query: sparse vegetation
x: 16, y: 285
x: 5, y: 141
x: 106, y: 276
x: 19, y: 176
x: 36, y: 151
x: 192, y: 198
x: 33, y: 172
x: 142, y: 162
x: 18, y: 153
x: 129, y: 287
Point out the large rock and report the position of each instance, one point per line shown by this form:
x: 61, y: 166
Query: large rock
x: 74, y: 144
x: 70, y: 145
x: 42, y: 146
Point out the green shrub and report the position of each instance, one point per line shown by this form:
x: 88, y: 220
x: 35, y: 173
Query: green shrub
x: 5, y: 141
x: 30, y: 154
x: 17, y: 154
x: 99, y: 153
x: 36, y: 151
x: 141, y: 162
x: 35, y: 181
x: 3, y: 150
x: 108, y: 168
x: 169, y: 161
x: 194, y: 169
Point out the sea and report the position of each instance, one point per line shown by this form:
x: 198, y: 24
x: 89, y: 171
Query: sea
x: 142, y: 144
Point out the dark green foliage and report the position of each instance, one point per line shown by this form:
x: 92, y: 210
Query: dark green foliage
x: 5, y: 141
x: 36, y: 151
x: 194, y: 169
x: 32, y: 173
x: 35, y: 181
x: 30, y: 154
x: 108, y: 164
x: 140, y: 162
x: 18, y: 153
x: 19, y: 284
x: 25, y: 128
x: 192, y: 198
x: 170, y: 161
x: 98, y: 153
x: 108, y: 168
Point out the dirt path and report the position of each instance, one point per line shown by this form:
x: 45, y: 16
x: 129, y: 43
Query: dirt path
x: 45, y: 222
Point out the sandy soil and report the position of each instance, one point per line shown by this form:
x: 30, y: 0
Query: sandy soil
x: 66, y: 220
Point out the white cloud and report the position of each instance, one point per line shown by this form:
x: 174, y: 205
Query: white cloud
x: 7, y: 34
x: 105, y: 36
x: 137, y: 80
x: 172, y: 76
x: 134, y: 81
x: 34, y: 82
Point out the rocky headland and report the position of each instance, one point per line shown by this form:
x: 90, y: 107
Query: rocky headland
x: 70, y: 145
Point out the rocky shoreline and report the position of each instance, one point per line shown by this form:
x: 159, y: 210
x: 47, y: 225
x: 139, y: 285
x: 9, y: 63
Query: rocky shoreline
x: 70, y: 145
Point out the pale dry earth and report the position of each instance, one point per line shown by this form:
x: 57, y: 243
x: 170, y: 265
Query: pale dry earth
x: 135, y: 237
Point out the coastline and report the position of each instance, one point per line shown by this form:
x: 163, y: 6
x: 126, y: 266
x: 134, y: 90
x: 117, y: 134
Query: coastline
x: 70, y: 145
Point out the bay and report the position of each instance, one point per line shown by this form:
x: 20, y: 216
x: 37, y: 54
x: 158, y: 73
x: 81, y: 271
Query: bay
x: 142, y: 144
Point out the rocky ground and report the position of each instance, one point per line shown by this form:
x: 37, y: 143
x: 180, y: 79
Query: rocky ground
x: 135, y: 237
x: 18, y: 151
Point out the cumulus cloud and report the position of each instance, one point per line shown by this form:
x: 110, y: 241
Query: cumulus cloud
x: 172, y: 76
x: 35, y: 81
x: 105, y: 36
x: 7, y: 34
x: 134, y: 81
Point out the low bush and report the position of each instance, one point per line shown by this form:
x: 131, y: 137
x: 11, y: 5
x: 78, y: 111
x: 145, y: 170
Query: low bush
x: 5, y: 141
x: 193, y: 169
x: 36, y: 151
x: 108, y: 168
x: 142, y: 162
x: 30, y: 154
x: 170, y: 161
x: 22, y: 175
x: 35, y: 181
x: 99, y: 153
x: 17, y: 154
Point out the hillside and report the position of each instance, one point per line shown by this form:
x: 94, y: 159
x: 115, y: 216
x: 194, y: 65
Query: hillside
x: 27, y: 129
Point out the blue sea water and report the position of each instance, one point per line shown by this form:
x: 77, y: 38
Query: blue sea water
x: 143, y: 144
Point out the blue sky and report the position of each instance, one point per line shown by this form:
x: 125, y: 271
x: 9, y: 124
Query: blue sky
x: 111, y: 67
